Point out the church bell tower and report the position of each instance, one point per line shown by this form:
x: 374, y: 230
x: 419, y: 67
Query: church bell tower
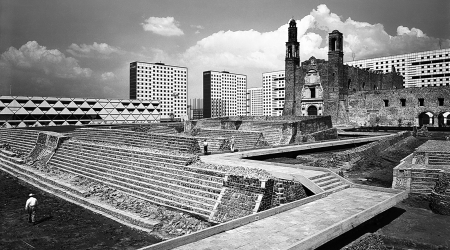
x: 292, y: 63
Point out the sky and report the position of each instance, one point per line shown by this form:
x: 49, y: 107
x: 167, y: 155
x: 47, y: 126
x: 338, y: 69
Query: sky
x: 83, y: 48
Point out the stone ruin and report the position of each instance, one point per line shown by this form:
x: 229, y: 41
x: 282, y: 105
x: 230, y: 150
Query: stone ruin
x: 163, y: 169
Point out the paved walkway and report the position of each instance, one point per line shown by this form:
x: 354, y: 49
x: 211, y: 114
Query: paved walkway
x: 293, y: 227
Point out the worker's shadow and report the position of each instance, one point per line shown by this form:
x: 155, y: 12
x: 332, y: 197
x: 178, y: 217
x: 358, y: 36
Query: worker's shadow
x: 46, y: 218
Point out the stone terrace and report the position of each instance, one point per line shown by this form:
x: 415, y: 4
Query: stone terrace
x: 164, y: 179
x: 419, y: 171
x: 243, y: 139
x: 139, y: 139
x: 19, y: 139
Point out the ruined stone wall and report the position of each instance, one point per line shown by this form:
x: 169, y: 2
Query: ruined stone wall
x: 314, y: 125
x: 327, y: 134
x: 357, y: 79
x: 369, y: 108
x: 371, y: 149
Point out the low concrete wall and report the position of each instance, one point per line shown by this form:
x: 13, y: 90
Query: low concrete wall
x: 370, y: 149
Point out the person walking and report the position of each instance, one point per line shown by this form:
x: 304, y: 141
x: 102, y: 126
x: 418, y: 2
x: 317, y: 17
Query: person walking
x: 205, y: 147
x: 30, y: 207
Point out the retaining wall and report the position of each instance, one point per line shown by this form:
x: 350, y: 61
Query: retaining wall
x: 371, y: 149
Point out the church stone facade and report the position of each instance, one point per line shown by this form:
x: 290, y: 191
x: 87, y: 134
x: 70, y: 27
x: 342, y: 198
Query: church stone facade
x: 352, y: 95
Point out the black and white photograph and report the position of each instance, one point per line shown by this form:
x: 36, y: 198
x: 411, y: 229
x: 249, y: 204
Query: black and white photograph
x: 237, y: 124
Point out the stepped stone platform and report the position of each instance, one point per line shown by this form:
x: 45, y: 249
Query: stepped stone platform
x: 419, y: 172
x: 337, y: 206
x: 10, y: 165
x: 139, y: 139
x: 243, y: 139
x: 172, y: 179
x: 20, y: 140
x: 265, y: 200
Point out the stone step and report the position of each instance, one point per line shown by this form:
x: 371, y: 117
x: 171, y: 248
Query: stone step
x: 423, y: 183
x: 338, y: 188
x: 420, y: 190
x: 128, y: 135
x: 427, y: 171
x: 132, y: 140
x: 61, y: 191
x: 425, y: 175
x: 327, y: 183
x: 99, y: 151
x: 323, y: 179
x: 144, y: 193
x: 136, y: 136
x: 199, y: 194
x: 423, y: 179
x: 181, y: 171
x: 333, y: 185
x: 319, y: 176
x: 205, y: 174
x: 187, y: 182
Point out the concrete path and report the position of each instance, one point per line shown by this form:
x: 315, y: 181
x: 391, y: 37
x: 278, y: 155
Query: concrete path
x: 300, y: 227
x: 312, y: 145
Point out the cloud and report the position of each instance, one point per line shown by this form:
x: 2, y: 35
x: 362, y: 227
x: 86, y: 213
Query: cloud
x: 200, y: 27
x: 96, y: 49
x: 252, y: 52
x: 36, y: 58
x: 108, y: 76
x: 164, y: 26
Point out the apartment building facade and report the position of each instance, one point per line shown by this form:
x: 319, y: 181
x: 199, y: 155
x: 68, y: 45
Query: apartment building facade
x: 255, y: 102
x: 273, y: 92
x: 421, y: 69
x: 224, y: 94
x: 165, y: 83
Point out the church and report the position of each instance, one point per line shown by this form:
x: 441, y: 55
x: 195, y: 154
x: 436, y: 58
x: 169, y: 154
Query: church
x: 351, y: 95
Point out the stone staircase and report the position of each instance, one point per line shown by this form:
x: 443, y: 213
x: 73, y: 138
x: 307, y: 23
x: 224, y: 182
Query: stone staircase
x: 243, y: 139
x: 423, y: 180
x: 328, y: 182
x: 21, y: 140
x: 165, y: 180
x: 151, y: 129
x: 439, y: 159
x: 138, y: 139
x: 11, y: 164
x: 272, y: 131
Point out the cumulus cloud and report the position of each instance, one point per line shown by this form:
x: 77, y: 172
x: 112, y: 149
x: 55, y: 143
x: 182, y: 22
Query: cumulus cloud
x: 33, y: 57
x: 108, y: 76
x: 96, y: 49
x: 252, y: 52
x: 164, y: 26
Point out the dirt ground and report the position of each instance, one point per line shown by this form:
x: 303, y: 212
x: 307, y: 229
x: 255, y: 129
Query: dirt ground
x: 60, y: 224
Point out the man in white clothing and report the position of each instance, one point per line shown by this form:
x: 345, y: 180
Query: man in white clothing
x: 30, y: 207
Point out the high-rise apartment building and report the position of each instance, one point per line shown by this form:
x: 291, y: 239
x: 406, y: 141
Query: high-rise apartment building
x: 158, y: 81
x: 273, y: 93
x: 421, y: 69
x: 224, y: 94
x: 196, y: 109
x: 255, y: 104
